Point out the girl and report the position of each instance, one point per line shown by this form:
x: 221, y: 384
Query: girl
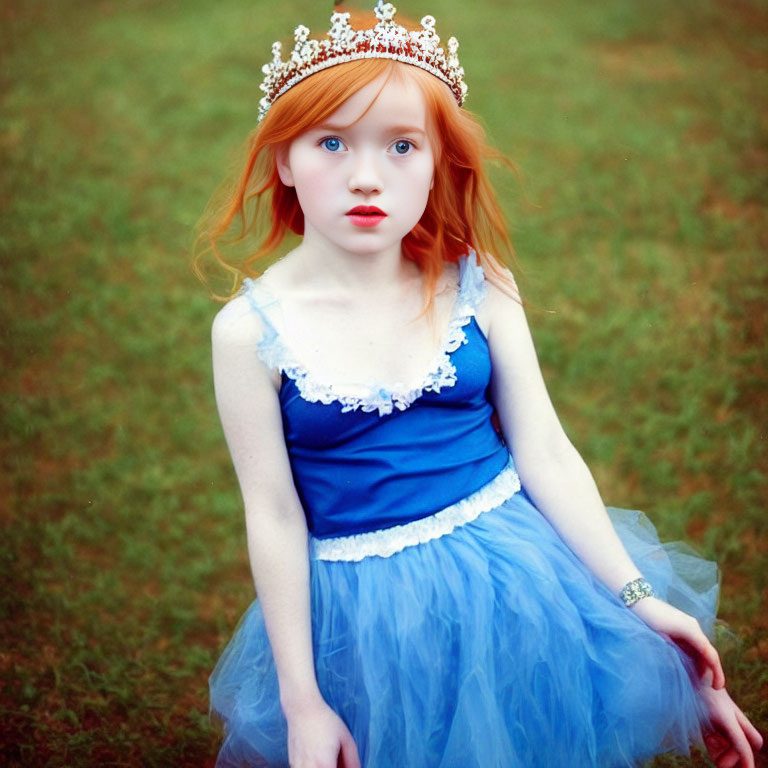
x: 434, y: 590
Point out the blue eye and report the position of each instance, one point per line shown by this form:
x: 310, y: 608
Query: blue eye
x: 332, y: 144
x: 402, y: 147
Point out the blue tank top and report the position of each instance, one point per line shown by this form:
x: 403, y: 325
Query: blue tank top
x: 381, y: 457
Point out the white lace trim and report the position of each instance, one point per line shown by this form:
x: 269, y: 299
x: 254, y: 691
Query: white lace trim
x: 371, y: 397
x: 389, y: 541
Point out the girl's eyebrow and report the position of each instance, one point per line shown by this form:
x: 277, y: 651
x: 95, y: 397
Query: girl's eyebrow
x: 406, y: 129
x: 388, y: 129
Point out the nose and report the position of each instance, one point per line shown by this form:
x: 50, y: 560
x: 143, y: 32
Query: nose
x: 365, y: 175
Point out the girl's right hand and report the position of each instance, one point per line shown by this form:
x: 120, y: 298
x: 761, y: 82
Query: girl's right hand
x: 318, y: 738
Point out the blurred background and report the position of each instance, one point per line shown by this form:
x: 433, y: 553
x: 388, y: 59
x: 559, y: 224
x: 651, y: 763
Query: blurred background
x: 639, y: 220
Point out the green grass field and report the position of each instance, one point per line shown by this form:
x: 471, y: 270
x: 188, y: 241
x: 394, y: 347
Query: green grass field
x: 640, y: 226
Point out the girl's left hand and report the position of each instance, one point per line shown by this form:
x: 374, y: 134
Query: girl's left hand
x: 686, y: 632
x: 732, y: 738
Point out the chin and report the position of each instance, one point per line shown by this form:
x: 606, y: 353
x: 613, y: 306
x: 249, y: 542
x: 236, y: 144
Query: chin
x: 371, y: 245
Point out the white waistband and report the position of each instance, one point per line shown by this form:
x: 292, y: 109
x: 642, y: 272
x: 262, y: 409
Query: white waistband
x: 388, y: 541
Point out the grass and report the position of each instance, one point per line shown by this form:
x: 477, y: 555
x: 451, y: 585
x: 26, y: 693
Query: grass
x: 641, y: 220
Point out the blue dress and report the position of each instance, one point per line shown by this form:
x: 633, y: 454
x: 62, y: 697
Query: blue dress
x: 452, y: 627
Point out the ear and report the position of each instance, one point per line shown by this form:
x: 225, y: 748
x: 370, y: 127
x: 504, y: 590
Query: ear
x: 284, y: 166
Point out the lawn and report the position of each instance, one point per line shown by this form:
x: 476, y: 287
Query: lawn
x: 639, y: 221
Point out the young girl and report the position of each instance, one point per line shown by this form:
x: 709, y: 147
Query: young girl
x: 439, y: 582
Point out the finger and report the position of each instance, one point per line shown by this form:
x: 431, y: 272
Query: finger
x: 696, y: 645
x: 719, y: 748
x: 733, y: 732
x: 716, y: 746
x: 728, y: 728
x: 348, y: 757
x: 708, y: 658
x: 728, y: 760
x: 712, y: 660
x: 753, y: 735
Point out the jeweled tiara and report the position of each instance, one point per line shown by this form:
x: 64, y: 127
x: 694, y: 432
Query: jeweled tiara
x: 386, y: 40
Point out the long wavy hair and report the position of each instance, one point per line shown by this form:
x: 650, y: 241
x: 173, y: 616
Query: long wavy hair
x: 462, y: 210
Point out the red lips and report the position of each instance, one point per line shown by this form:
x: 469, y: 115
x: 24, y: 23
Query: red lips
x: 366, y: 215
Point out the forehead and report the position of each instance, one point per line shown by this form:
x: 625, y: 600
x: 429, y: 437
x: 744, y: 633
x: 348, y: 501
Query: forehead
x: 393, y: 97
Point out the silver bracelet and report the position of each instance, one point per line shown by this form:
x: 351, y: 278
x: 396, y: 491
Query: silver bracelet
x: 636, y: 590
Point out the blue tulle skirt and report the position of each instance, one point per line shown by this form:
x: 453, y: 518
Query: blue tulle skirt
x: 489, y: 647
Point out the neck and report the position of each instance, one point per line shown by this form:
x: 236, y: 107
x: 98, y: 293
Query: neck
x: 358, y: 272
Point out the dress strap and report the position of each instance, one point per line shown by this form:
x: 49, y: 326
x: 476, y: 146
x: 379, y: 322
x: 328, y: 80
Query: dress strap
x: 473, y: 286
x: 272, y: 352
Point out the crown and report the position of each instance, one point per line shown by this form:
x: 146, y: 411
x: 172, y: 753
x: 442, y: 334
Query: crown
x: 386, y: 40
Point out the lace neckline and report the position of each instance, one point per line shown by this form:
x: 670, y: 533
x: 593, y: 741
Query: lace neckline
x: 372, y: 397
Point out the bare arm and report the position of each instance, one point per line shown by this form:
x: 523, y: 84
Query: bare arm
x: 551, y: 469
x: 249, y: 408
x: 557, y: 478
x: 562, y: 487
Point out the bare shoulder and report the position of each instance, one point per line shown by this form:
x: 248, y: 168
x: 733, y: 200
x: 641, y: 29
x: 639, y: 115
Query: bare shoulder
x: 503, y: 304
x: 238, y: 328
x: 236, y: 324
x: 241, y: 320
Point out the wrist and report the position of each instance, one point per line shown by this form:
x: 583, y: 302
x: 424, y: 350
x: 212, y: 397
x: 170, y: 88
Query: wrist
x: 299, y: 701
x: 647, y: 608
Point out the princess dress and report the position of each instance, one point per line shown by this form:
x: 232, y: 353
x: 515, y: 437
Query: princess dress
x: 452, y: 627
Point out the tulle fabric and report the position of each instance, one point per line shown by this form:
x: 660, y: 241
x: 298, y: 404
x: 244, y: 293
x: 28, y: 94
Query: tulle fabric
x: 489, y: 647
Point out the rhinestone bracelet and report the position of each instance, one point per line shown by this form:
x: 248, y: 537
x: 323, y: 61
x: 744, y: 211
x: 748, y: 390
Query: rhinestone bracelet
x: 636, y: 590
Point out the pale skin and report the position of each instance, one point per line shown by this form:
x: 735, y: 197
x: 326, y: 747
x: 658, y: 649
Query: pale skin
x: 351, y: 282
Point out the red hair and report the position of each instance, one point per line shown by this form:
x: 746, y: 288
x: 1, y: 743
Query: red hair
x: 462, y: 211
